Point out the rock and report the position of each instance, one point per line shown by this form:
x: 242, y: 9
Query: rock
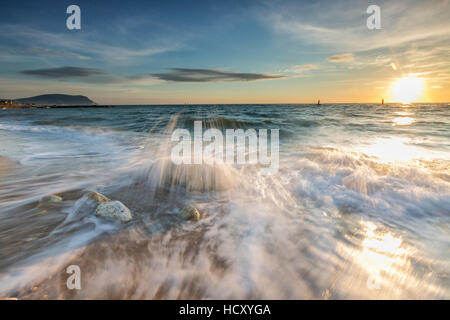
x: 98, y: 197
x: 201, y: 178
x: 190, y: 212
x: 115, y: 210
x: 51, y: 199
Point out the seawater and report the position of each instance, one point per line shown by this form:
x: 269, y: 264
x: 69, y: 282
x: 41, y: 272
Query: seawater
x: 359, y: 208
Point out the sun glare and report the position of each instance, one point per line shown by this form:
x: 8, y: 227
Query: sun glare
x: 407, y: 90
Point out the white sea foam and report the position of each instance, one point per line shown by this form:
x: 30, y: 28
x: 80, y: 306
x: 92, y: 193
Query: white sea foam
x: 339, y: 219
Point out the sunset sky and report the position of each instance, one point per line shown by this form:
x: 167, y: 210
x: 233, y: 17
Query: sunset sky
x: 155, y: 52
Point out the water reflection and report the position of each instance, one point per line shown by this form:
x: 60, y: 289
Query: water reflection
x: 394, y: 149
x: 383, y: 256
x: 403, y: 113
x: 385, y: 266
x: 403, y: 121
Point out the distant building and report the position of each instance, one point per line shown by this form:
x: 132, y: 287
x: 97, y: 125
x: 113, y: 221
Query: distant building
x: 6, y: 101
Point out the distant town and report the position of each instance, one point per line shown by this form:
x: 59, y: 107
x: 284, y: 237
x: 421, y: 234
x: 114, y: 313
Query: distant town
x: 49, y: 101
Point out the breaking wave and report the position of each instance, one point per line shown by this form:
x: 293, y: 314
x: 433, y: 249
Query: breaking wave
x: 346, y: 216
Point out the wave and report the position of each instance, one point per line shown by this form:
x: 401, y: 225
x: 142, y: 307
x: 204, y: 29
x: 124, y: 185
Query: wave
x: 343, y: 208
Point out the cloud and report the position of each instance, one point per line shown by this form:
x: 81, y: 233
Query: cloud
x: 46, y: 52
x: 345, y: 57
x: 63, y: 72
x: 211, y: 75
x: 331, y: 25
x: 91, y: 76
x: 301, y: 68
x: 88, y: 47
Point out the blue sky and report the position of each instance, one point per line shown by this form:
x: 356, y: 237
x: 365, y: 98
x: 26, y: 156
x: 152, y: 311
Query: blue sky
x: 151, y: 52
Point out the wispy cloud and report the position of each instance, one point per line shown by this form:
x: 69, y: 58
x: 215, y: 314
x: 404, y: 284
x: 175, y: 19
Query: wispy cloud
x: 345, y: 57
x: 63, y: 72
x: 46, y: 52
x: 84, y: 44
x: 342, y: 24
x: 300, y: 68
x: 92, y: 76
x: 211, y: 75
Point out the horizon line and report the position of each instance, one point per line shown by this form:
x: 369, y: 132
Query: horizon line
x: 285, y: 103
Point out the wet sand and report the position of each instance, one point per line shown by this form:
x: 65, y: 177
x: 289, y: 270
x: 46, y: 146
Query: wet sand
x: 6, y: 166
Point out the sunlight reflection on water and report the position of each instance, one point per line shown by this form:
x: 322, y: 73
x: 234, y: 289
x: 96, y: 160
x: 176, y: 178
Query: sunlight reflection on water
x: 403, y: 121
x: 394, y: 149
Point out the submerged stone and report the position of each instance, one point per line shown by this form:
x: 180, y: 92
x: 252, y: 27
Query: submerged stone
x: 190, y: 212
x: 115, y: 210
x: 198, y: 178
x: 98, y: 197
x: 51, y: 199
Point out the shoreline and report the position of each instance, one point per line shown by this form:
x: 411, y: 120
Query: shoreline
x: 32, y: 106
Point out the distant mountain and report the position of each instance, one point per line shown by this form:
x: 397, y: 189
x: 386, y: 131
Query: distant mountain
x: 57, y: 99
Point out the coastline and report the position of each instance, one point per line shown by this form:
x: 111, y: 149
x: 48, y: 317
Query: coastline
x: 33, y: 106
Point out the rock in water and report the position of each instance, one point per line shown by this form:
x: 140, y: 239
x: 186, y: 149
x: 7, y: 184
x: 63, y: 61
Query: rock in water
x: 191, y: 213
x: 199, y: 178
x: 51, y: 199
x: 98, y: 197
x: 115, y: 210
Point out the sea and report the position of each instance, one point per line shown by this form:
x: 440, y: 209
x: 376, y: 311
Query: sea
x: 358, y: 208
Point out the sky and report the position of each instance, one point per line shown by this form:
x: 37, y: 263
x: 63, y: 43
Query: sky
x: 213, y: 52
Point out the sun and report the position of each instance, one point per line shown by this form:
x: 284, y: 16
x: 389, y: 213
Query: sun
x: 407, y: 90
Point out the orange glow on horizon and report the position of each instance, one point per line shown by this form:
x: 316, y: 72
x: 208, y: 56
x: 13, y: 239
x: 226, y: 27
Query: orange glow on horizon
x: 407, y: 90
